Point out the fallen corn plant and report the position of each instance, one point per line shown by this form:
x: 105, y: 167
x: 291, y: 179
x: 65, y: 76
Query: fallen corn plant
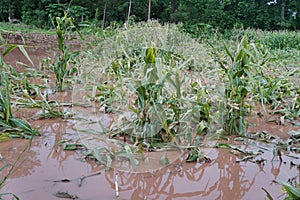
x: 10, y: 126
x: 246, y: 155
x: 48, y: 108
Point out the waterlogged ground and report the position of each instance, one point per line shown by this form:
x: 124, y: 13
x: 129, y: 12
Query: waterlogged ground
x: 47, y: 171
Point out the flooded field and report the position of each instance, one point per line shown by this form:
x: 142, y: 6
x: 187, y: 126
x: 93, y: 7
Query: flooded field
x: 47, y: 171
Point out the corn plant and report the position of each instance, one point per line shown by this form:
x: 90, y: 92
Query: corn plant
x: 292, y: 192
x: 164, y: 112
x: 64, y: 26
x: 10, y: 126
x: 237, y: 75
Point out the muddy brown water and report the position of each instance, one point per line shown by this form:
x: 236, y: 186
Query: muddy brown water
x: 47, y: 171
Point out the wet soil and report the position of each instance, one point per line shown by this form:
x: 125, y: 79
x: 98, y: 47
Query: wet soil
x: 47, y: 171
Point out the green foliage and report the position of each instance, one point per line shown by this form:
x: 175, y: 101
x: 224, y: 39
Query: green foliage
x: 10, y: 126
x: 238, y: 74
x: 283, y: 40
x: 221, y: 15
x: 78, y: 13
x: 292, y: 192
x: 144, y: 80
x: 64, y: 27
x: 105, y: 156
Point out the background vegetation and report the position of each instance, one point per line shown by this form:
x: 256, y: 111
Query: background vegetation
x: 194, y: 14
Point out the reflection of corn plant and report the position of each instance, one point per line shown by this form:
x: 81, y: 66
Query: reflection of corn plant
x: 64, y: 26
x: 49, y: 108
x: 237, y: 87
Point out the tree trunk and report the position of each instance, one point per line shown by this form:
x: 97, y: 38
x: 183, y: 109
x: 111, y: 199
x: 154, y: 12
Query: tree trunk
x: 149, y: 11
x: 128, y: 14
x: 104, y: 15
x: 282, y: 22
x: 173, y: 10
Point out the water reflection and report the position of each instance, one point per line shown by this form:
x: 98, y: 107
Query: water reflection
x: 223, y: 178
x: 10, y: 150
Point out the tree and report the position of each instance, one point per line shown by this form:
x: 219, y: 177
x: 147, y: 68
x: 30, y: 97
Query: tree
x: 128, y: 13
x: 282, y: 21
x: 149, y: 10
x: 221, y: 14
x: 174, y: 7
x: 104, y: 14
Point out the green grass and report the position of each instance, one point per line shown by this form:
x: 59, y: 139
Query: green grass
x: 23, y: 28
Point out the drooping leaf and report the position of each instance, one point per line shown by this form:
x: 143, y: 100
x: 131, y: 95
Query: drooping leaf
x: 292, y: 191
x: 9, y: 49
x: 24, y: 52
x: 73, y: 147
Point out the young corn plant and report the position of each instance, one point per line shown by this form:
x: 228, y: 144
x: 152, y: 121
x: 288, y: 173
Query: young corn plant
x: 10, y: 126
x: 237, y: 75
x: 149, y: 99
x: 64, y: 27
x: 165, y: 112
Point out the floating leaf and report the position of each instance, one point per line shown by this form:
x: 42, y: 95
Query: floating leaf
x: 239, y: 139
x: 73, y: 147
x: 65, y: 195
x: 164, y: 160
x: 62, y: 142
x: 193, y: 155
x: 9, y: 193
